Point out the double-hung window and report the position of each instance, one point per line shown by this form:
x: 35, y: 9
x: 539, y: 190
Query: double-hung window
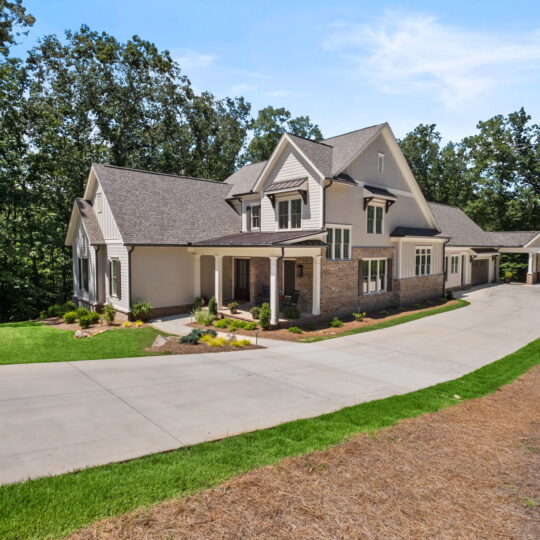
x: 339, y: 243
x: 115, y: 286
x: 83, y: 273
x: 256, y: 216
x: 374, y: 275
x: 375, y: 216
x: 454, y: 264
x: 290, y: 214
x: 423, y: 261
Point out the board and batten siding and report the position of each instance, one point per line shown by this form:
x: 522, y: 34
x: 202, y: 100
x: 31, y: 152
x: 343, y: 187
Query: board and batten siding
x: 81, y: 248
x: 291, y: 165
x: 120, y: 252
x: 408, y: 254
x: 104, y: 215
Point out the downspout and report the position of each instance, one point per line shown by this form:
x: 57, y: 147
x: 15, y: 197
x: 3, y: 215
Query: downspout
x: 130, y: 250
x: 96, y: 276
x: 324, y: 202
x: 444, y: 273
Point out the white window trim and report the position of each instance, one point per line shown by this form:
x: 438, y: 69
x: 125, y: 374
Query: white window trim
x: 338, y: 226
x: 456, y: 259
x: 380, y: 162
x: 430, y: 249
x: 114, y: 280
x: 375, y: 205
x: 289, y: 228
x: 370, y: 260
x: 260, y: 216
x: 99, y: 203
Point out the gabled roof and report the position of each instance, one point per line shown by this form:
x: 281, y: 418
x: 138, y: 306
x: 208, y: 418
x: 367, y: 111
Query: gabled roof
x: 243, y: 180
x: 318, y: 153
x: 90, y: 223
x: 513, y: 238
x: 347, y: 146
x: 162, y: 209
x: 260, y: 238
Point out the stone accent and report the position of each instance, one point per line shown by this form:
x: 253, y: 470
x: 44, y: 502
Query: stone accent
x: 340, y: 293
x: 531, y: 279
x: 418, y: 289
x: 156, y: 313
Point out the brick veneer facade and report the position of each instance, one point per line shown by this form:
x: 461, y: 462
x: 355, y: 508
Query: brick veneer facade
x: 418, y: 289
x: 259, y: 276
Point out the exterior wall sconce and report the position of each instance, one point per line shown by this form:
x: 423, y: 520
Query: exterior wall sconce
x: 299, y: 270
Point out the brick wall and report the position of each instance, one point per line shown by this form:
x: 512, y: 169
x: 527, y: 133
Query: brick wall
x: 304, y: 284
x: 418, y: 289
x: 339, y: 284
x: 259, y: 276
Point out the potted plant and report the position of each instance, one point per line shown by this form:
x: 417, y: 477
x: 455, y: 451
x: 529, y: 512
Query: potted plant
x: 233, y: 307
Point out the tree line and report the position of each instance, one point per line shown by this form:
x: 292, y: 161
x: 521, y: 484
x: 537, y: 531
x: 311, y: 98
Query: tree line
x: 88, y: 98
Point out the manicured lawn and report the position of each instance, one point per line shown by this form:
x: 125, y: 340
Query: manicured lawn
x: 392, y: 322
x: 53, y: 507
x: 28, y: 342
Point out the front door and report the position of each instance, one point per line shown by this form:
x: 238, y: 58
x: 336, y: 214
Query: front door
x: 288, y: 277
x: 241, y: 279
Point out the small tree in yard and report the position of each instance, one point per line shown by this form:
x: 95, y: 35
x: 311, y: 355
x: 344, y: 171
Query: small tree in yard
x: 212, y: 306
x: 265, y: 316
x: 108, y: 313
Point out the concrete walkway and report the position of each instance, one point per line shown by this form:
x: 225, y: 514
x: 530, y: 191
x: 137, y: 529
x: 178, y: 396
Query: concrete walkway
x: 57, y: 417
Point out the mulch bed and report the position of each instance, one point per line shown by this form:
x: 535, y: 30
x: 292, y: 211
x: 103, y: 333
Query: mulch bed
x: 174, y: 347
x: 97, y: 328
x: 321, y: 327
x: 469, y: 471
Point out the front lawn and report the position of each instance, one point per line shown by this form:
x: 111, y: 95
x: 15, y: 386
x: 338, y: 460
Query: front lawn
x: 53, y: 507
x: 28, y: 342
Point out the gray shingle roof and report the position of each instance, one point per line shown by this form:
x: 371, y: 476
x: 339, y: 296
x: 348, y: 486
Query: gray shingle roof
x: 243, y: 180
x: 90, y: 222
x: 152, y: 208
x: 347, y: 145
x: 258, y: 238
x: 319, y: 153
x: 513, y: 238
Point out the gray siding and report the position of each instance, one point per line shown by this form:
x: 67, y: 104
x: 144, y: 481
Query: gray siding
x: 82, y: 249
x: 120, y: 252
x: 105, y: 218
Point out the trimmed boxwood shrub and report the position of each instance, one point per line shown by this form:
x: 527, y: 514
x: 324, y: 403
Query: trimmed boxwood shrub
x: 295, y: 330
x: 266, y: 315
x: 85, y: 321
x: 82, y: 312
x: 70, y: 317
x: 94, y: 317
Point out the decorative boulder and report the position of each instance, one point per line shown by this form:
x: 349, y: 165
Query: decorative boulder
x: 159, y: 341
x: 81, y: 334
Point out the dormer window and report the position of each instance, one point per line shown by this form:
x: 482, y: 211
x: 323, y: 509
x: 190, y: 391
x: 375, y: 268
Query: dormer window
x: 99, y: 203
x: 380, y: 162
x: 375, y: 218
x: 290, y: 214
x: 256, y: 216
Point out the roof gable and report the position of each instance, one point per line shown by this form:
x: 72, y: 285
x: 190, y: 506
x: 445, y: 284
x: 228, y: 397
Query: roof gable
x: 243, y: 180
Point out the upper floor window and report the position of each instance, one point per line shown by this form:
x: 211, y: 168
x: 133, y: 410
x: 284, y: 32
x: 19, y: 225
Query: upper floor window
x: 375, y: 217
x: 290, y: 214
x: 380, y: 162
x: 83, y: 273
x: 339, y: 243
x: 256, y: 216
x: 423, y: 261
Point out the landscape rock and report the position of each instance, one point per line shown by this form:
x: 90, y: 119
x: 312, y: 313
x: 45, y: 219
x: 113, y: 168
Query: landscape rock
x: 81, y: 334
x: 159, y: 341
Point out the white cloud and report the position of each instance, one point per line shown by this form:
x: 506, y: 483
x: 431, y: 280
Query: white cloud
x: 188, y: 58
x: 242, y: 88
x: 417, y: 53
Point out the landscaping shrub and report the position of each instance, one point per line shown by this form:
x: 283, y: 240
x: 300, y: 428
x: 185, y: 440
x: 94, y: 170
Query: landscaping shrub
x: 255, y: 312
x: 126, y: 324
x: 141, y: 309
x: 359, y: 316
x: 84, y: 321
x: 222, y: 323
x: 291, y: 312
x: 213, y: 341
x: 336, y: 323
x: 138, y: 323
x: 240, y: 342
x: 204, y: 317
x: 94, y: 317
x: 69, y: 306
x: 295, y: 330
x: 384, y: 313
x: 198, y: 303
x: 250, y: 326
x: 450, y: 295
x: 310, y: 327
x: 235, y: 325
x: 265, y: 316
x: 212, y: 306
x: 70, y: 317
x: 108, y: 313
x: 42, y: 314
x: 82, y: 312
x: 56, y: 310
x: 196, y: 334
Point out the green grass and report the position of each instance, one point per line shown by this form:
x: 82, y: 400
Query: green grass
x: 28, y: 342
x: 53, y: 507
x: 392, y: 322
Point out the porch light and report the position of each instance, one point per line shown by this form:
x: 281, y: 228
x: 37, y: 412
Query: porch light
x: 299, y: 270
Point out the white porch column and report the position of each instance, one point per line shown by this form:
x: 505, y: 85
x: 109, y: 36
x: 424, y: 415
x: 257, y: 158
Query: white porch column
x: 497, y: 268
x: 196, y: 275
x: 274, y: 297
x: 531, y: 263
x: 218, y: 280
x: 491, y: 266
x: 316, y: 307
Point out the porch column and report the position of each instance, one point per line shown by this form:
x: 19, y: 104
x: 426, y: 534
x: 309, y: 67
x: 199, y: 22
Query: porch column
x: 530, y: 270
x: 218, y: 280
x: 274, y: 300
x: 316, y: 307
x: 196, y: 275
x: 497, y: 269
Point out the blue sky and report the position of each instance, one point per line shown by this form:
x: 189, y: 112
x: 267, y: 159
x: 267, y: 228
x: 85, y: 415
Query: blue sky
x: 347, y: 64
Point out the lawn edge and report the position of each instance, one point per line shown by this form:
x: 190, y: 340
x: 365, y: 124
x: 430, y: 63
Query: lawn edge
x: 460, y: 303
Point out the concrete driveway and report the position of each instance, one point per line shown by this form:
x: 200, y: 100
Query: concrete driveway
x: 57, y: 417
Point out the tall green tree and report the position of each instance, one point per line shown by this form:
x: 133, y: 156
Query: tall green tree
x: 13, y: 18
x: 268, y: 127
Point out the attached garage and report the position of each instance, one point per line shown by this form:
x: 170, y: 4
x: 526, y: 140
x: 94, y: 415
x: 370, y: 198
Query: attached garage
x: 480, y: 271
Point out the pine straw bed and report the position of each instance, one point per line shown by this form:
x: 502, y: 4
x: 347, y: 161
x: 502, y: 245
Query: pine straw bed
x: 469, y: 471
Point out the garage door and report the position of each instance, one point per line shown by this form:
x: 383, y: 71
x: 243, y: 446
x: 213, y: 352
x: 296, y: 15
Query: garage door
x: 480, y: 271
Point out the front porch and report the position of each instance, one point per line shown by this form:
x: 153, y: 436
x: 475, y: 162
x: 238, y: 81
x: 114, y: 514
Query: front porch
x: 252, y: 275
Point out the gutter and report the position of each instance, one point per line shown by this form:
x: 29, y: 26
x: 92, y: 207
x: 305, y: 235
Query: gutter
x: 444, y: 273
x: 96, y: 273
x: 130, y: 250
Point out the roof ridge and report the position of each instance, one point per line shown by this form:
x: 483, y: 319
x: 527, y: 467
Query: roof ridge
x: 158, y: 173
x: 309, y: 140
x: 353, y: 131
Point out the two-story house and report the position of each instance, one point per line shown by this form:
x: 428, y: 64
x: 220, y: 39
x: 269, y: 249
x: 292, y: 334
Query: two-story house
x: 339, y: 224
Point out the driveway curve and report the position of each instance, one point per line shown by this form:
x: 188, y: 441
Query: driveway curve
x: 57, y: 417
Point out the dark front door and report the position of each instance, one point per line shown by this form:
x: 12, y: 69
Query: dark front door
x: 288, y: 277
x: 241, y: 279
x: 480, y: 271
